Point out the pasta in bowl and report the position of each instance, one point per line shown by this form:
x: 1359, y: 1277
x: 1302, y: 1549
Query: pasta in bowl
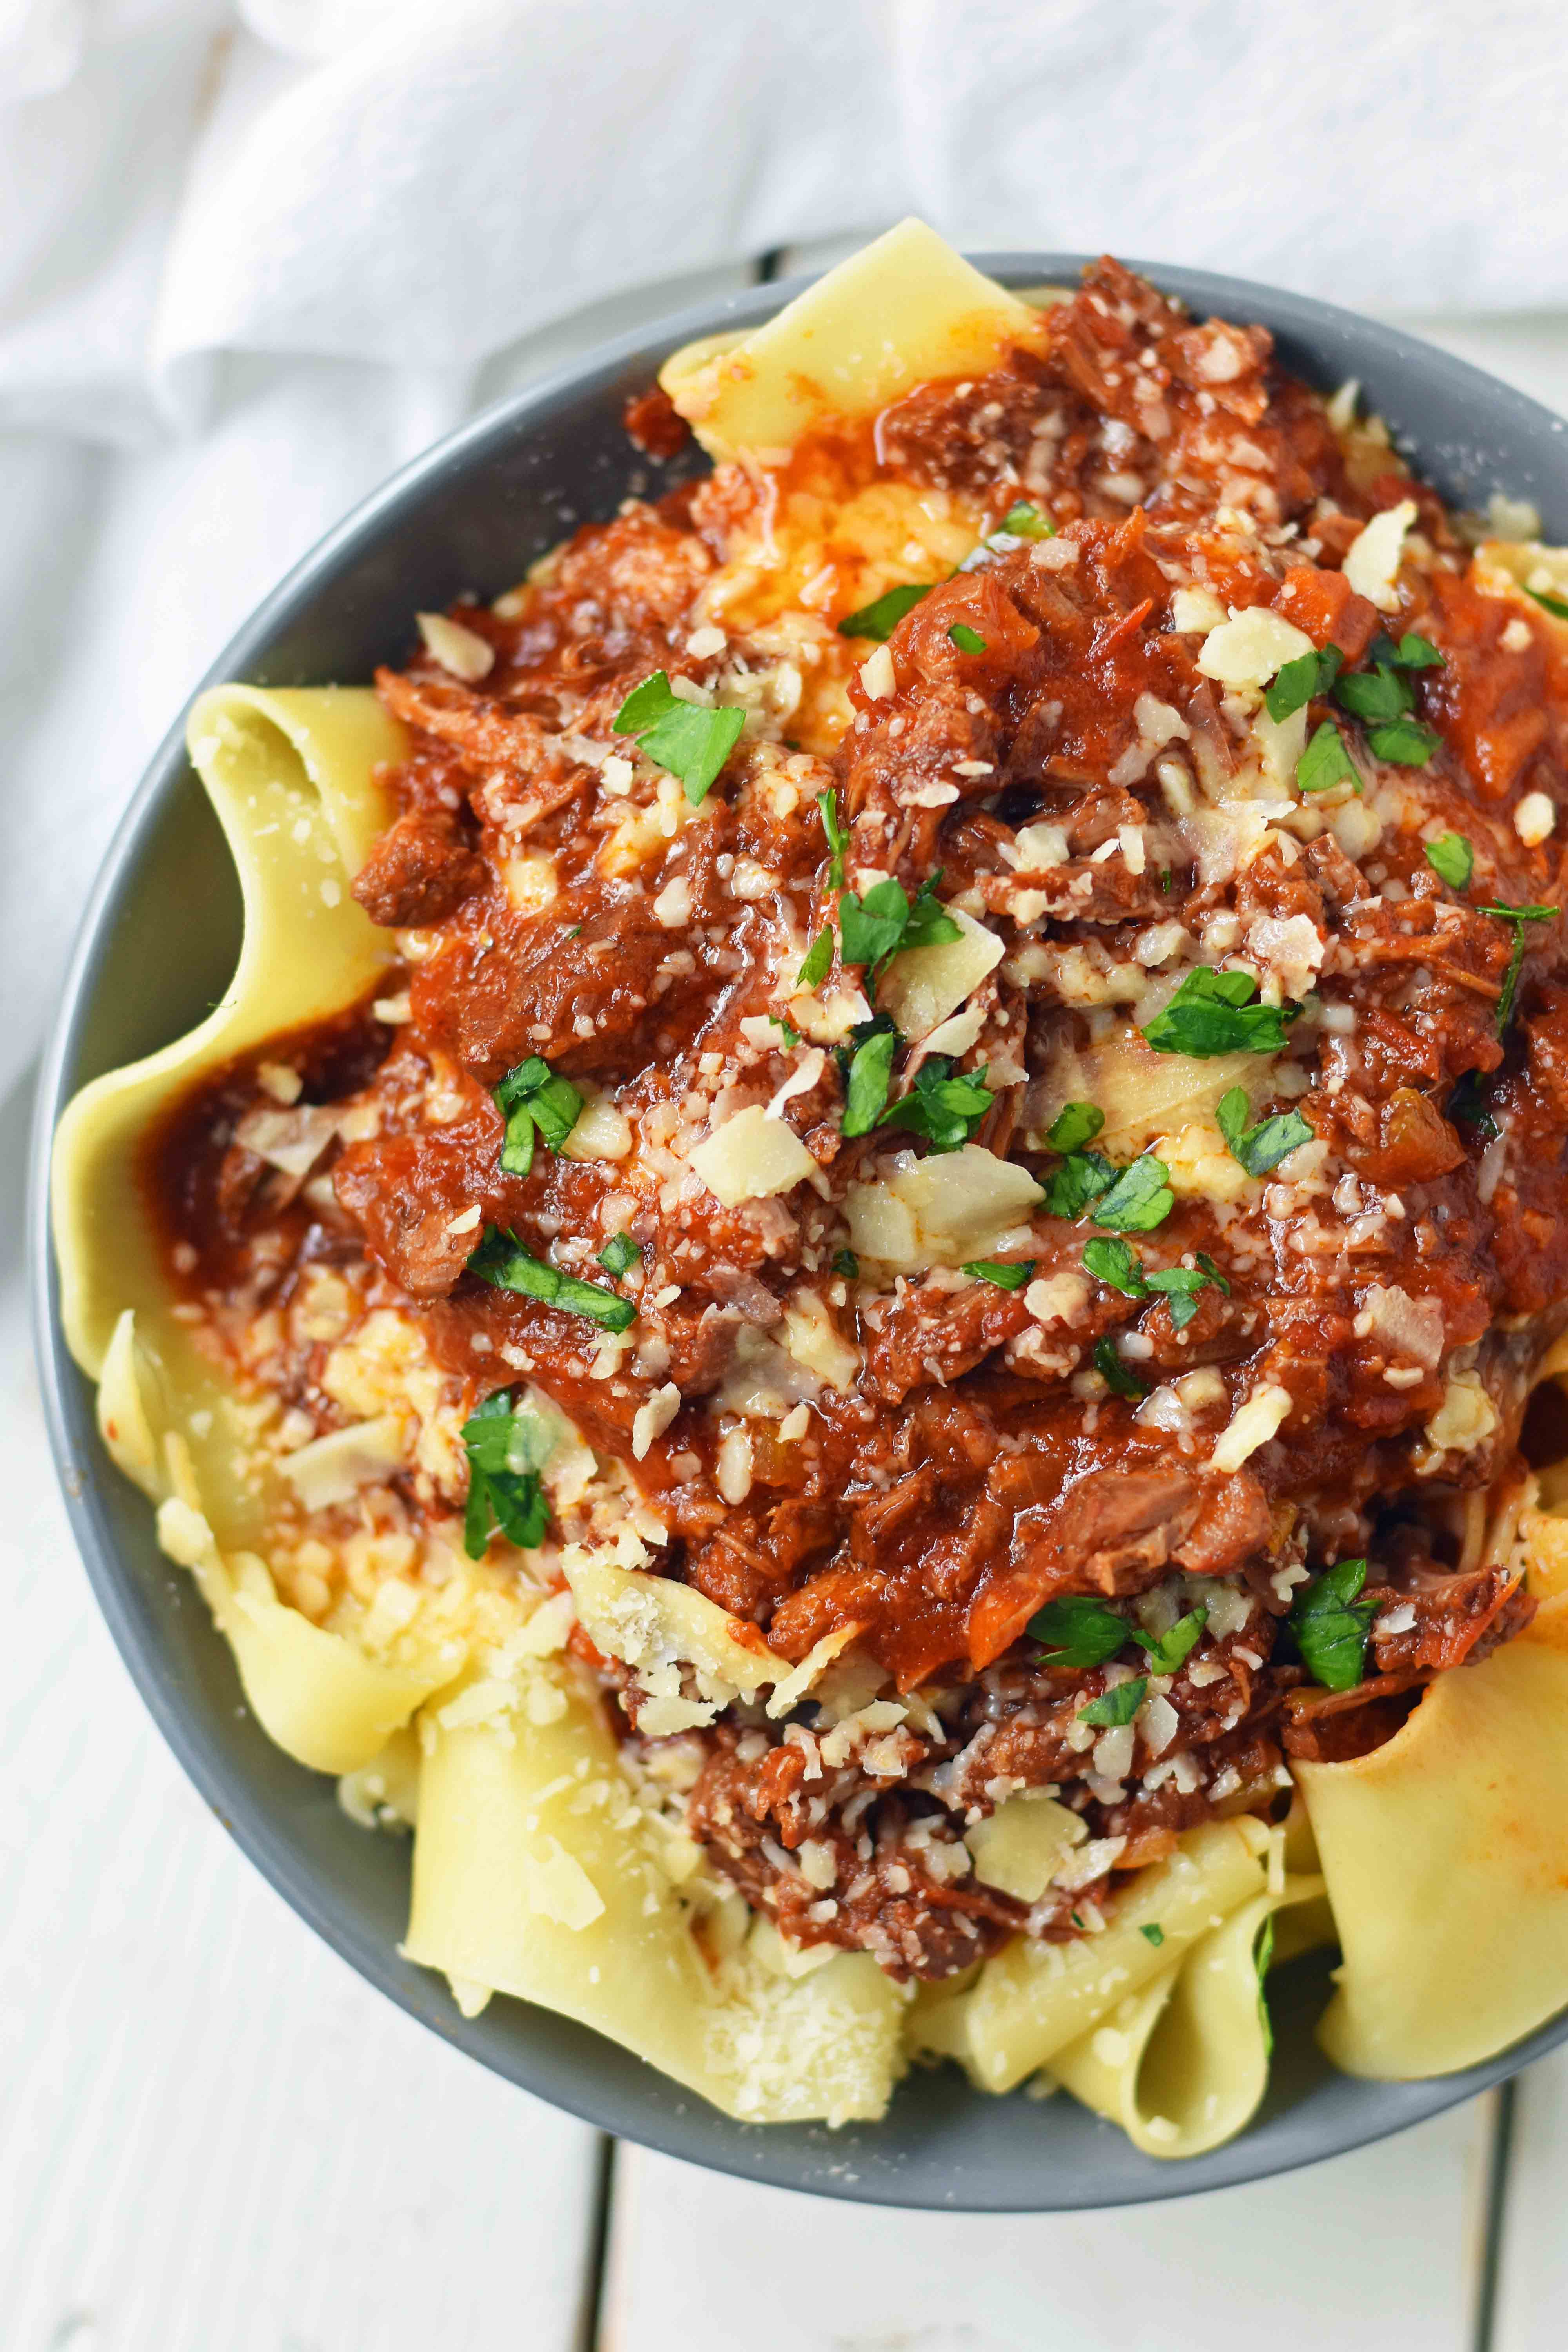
x: 849, y: 1288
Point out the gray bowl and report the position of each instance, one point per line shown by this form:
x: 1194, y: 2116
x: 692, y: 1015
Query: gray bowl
x: 158, y: 944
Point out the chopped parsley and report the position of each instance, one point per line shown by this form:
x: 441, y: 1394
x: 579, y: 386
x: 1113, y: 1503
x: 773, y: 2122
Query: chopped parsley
x: 1082, y: 1177
x: 1008, y: 1274
x: 501, y: 1261
x: 1374, y: 696
x: 1331, y: 1626
x: 881, y: 617
x: 838, y: 836
x: 504, y: 1454
x: 1417, y: 652
x: 817, y: 960
x: 684, y: 738
x: 1557, y: 605
x: 1214, y: 1013
x: 788, y: 1033
x: 1114, y: 1263
x: 1518, y: 916
x: 867, y: 1072
x: 967, y: 640
x: 1404, y: 743
x: 1258, y: 1148
x: 1117, y: 1706
x: 846, y: 1263
x: 1115, y: 1371
x: 533, y: 1098
x: 946, y: 1109
x: 1263, y: 1954
x: 1023, y: 520
x: 1325, y: 762
x: 1167, y: 1650
x: 1300, y: 680
x: 1075, y: 1124
x: 1452, y: 859
x: 875, y: 928
x: 1467, y: 1105
x: 619, y: 1254
x: 1139, y: 1199
x: 1077, y: 1632
x: 1153, y: 1933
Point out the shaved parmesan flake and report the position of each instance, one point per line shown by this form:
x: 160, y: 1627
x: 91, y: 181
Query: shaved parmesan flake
x: 750, y: 1157
x: 333, y: 1468
x: 1372, y: 563
x: 948, y: 1209
x: 923, y: 985
x: 460, y: 652
x: 1251, y: 1425
x: 1245, y: 653
x: 1023, y: 1843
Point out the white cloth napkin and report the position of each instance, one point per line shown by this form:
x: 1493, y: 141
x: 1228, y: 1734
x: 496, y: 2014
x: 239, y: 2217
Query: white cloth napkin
x: 254, y: 256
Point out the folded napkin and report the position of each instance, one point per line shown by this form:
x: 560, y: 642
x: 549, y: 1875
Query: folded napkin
x: 256, y: 256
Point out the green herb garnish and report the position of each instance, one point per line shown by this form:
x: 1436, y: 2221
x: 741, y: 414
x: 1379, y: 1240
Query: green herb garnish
x: 1467, y: 1105
x: 837, y: 836
x: 1082, y: 1177
x: 1404, y: 743
x: 946, y: 1109
x: 1117, y: 1706
x: 1262, y: 1956
x: 1300, y: 680
x: 875, y: 928
x: 533, y: 1098
x: 881, y: 617
x: 867, y: 1072
x: 1114, y: 1263
x: 967, y: 640
x: 1452, y: 859
x: 1518, y: 916
x: 1214, y: 1013
x: 1417, y: 652
x: 619, y: 1254
x: 1139, y: 1199
x: 1152, y: 1934
x: 846, y: 1263
x: 688, y: 740
x: 1258, y: 1148
x: 817, y: 960
x: 1115, y: 1371
x: 502, y: 1262
x: 1008, y: 1274
x: 1166, y: 1650
x: 1077, y: 1632
x: 1374, y: 696
x: 504, y: 1454
x: 1076, y: 1124
x: 1557, y: 605
x: 1331, y: 1626
x: 1325, y: 761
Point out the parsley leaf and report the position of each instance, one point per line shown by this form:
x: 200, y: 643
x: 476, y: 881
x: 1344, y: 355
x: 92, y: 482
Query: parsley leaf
x: 945, y: 1109
x: 1325, y: 761
x: 502, y: 1262
x: 1078, y: 1630
x: 619, y: 1254
x: 881, y: 617
x: 1331, y: 1626
x: 531, y: 1097
x: 869, y: 1074
x: 838, y: 836
x: 1166, y: 1650
x: 1115, y: 1264
x: 846, y: 1263
x: 1152, y: 1934
x: 1076, y: 1123
x: 1082, y: 1177
x: 1466, y: 1103
x: 1405, y: 744
x: 1262, y: 1956
x: 1115, y: 1371
x: 1258, y: 1148
x: 1214, y: 1012
x: 1179, y: 1286
x: 1452, y: 859
x: 1117, y: 1706
x: 689, y: 740
x: 816, y: 961
x: 1549, y: 603
x: 503, y: 1477
x: 1300, y: 680
x: 1518, y: 916
x: 789, y: 1034
x: 1023, y: 520
x: 1008, y: 1274
x: 1417, y: 652
x: 967, y: 640
x: 1373, y: 694
x: 876, y: 926
x: 1139, y: 1199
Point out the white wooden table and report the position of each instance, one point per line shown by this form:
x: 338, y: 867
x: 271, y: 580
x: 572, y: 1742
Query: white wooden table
x: 215, y: 2138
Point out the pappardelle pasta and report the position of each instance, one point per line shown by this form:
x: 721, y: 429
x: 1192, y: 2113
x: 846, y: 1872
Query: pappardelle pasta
x: 860, y: 1289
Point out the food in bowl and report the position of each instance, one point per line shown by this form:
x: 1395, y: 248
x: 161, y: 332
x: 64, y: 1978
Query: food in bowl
x: 849, y: 1288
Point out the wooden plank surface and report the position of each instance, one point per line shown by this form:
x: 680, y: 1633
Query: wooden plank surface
x: 1373, y: 2252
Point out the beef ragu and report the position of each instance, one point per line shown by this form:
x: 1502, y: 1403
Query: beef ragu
x: 1062, y: 1338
